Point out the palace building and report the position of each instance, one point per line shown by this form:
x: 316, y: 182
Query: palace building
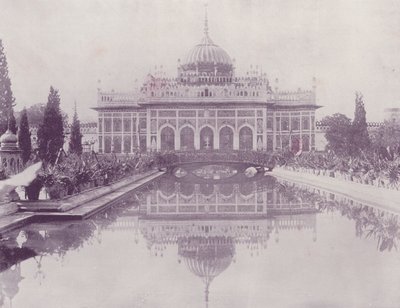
x: 205, y: 107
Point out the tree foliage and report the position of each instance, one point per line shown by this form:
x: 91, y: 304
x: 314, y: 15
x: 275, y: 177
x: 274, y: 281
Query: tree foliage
x: 359, y: 133
x: 51, y: 131
x: 386, y: 139
x: 75, y: 142
x: 6, y: 95
x: 36, y: 113
x: 24, y: 136
x: 338, y: 133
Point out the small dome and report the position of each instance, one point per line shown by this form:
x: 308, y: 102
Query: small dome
x: 8, y: 137
x: 9, y: 142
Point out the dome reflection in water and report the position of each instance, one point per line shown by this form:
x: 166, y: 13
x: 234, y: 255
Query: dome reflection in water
x: 181, y: 244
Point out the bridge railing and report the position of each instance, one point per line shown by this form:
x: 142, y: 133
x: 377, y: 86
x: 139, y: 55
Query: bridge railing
x: 253, y: 157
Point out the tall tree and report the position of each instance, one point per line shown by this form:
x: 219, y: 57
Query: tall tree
x: 338, y: 133
x: 6, y: 96
x: 24, y: 136
x: 359, y: 132
x: 12, y: 123
x: 75, y: 142
x: 51, y: 132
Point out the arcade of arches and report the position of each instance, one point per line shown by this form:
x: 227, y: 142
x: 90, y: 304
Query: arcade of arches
x: 196, y: 129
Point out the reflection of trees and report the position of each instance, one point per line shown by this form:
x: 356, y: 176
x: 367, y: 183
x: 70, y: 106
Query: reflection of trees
x: 369, y: 221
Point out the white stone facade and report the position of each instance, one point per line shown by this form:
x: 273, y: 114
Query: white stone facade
x: 206, y: 107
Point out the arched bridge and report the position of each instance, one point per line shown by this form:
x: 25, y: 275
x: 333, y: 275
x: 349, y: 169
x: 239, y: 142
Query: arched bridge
x: 216, y: 171
x: 251, y: 158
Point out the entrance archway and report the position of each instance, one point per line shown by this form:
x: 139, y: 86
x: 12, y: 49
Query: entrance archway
x: 246, y: 138
x: 187, y: 138
x: 206, y: 138
x: 226, y: 138
x: 167, y: 139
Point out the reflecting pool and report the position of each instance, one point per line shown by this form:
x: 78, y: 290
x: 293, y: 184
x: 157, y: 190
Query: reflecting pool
x: 175, y: 243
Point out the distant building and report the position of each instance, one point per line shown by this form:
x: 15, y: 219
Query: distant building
x: 392, y: 114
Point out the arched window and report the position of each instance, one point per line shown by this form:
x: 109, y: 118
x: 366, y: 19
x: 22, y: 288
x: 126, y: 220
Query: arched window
x: 167, y: 139
x: 187, y: 138
x: 206, y: 138
x: 245, y: 138
x: 226, y: 138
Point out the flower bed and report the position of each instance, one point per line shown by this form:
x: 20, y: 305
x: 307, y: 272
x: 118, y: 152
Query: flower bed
x: 368, y: 170
x: 77, y: 174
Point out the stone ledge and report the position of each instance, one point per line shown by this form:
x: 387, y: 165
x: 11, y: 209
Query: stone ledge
x: 73, y: 201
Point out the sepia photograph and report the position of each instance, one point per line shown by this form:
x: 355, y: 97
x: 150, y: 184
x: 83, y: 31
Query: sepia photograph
x: 199, y: 153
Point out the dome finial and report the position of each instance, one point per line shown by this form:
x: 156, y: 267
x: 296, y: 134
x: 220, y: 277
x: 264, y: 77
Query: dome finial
x: 205, y: 20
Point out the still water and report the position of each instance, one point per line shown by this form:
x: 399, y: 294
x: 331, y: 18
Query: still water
x: 263, y: 243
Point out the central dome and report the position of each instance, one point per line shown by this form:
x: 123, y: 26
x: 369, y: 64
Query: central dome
x: 207, y: 53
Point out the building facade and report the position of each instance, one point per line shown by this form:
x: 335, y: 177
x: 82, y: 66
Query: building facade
x: 206, y: 106
x: 392, y: 114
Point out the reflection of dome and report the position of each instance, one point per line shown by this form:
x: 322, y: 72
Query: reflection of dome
x: 207, y: 257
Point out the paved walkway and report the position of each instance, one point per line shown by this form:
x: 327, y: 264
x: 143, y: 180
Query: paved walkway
x: 83, y: 206
x: 378, y: 197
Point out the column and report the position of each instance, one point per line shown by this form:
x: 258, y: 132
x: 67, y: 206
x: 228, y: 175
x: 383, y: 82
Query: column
x: 122, y: 134
x: 148, y: 130
x: 177, y: 137
x: 197, y: 133
x: 236, y: 133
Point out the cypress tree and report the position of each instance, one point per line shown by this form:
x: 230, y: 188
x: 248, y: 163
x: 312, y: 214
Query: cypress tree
x: 24, y: 136
x: 12, y: 123
x: 360, y: 136
x: 51, y: 132
x: 6, y: 96
x: 75, y: 142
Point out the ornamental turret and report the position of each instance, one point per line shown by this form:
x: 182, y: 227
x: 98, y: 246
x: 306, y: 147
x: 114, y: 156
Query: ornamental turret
x: 10, y: 153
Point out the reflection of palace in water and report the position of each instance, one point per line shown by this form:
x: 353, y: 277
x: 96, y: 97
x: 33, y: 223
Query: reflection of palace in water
x: 248, y: 199
x: 208, y: 222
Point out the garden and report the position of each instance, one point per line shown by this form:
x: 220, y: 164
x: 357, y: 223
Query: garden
x: 74, y: 174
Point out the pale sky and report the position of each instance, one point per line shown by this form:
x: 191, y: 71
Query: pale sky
x: 348, y: 45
